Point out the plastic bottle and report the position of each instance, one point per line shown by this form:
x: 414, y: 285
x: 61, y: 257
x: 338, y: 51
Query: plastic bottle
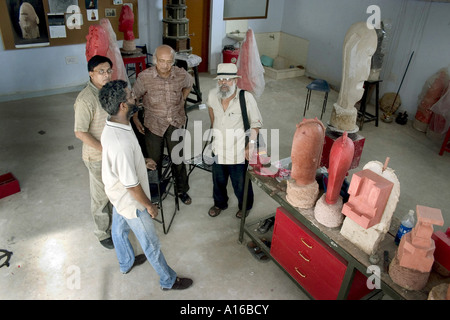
x: 406, y: 225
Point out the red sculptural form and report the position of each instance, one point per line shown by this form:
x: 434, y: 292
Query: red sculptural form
x: 97, y: 42
x: 101, y: 40
x: 126, y: 21
x: 328, y: 207
x: 302, y: 189
x: 341, y: 157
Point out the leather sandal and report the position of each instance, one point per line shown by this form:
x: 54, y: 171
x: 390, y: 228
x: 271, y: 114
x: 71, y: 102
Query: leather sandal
x: 239, y: 214
x: 214, y: 211
x: 184, y: 197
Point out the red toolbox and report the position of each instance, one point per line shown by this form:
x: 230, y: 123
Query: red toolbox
x: 8, y: 185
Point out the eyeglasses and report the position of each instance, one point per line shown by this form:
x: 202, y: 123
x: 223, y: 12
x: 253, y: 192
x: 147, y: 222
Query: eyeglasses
x: 102, y: 72
x: 225, y: 79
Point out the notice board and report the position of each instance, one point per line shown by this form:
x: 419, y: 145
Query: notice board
x: 39, y: 23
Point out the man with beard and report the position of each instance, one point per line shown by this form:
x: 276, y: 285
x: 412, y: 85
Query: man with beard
x: 231, y: 155
x: 124, y: 173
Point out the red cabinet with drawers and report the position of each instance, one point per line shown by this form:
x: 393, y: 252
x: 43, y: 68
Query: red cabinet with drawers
x: 311, y: 262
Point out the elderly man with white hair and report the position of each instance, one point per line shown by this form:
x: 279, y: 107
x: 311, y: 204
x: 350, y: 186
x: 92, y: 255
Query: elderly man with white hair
x: 231, y: 154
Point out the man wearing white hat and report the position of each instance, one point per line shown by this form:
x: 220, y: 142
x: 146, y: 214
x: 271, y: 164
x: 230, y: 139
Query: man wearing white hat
x: 230, y: 151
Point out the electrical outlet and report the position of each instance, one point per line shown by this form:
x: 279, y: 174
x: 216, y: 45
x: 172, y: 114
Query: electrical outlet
x: 71, y: 60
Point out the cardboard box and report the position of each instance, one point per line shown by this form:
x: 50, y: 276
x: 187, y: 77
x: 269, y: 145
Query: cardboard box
x: 8, y: 185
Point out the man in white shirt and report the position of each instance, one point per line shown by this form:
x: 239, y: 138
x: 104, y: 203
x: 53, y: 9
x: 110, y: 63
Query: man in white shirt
x: 124, y: 173
x: 231, y: 153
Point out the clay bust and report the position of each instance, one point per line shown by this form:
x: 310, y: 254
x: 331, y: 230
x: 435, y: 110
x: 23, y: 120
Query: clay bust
x: 126, y: 21
x: 303, y: 189
x: 28, y: 21
x: 307, y: 150
x: 360, y: 44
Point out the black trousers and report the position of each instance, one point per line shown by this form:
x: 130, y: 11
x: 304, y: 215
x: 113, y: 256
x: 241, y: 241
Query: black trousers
x: 155, y: 149
x: 236, y: 173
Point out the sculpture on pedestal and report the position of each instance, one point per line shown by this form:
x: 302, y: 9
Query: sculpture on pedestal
x: 412, y: 264
x: 303, y: 189
x: 126, y: 21
x: 328, y: 208
x: 360, y: 44
x: 368, y: 239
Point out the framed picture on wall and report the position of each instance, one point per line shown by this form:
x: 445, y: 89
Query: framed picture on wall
x: 28, y: 23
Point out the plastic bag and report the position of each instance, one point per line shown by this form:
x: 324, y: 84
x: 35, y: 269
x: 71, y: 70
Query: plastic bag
x: 432, y: 91
x: 249, y: 66
x: 440, y: 120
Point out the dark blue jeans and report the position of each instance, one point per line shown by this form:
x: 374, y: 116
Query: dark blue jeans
x: 236, y: 172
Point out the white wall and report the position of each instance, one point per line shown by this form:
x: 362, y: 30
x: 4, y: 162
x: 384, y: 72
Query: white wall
x: 419, y: 26
x: 42, y: 71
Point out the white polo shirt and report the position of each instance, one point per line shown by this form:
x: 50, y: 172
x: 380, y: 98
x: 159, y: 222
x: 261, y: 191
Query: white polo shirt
x: 123, y: 166
x: 228, y: 128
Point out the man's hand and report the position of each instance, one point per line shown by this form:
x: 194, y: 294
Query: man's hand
x: 138, y: 124
x: 249, y: 152
x: 152, y: 210
x: 150, y: 164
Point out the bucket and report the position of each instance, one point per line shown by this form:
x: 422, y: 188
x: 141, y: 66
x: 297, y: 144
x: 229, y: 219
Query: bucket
x: 230, y: 56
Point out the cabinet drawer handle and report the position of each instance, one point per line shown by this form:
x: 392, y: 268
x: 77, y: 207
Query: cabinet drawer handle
x: 306, y: 244
x: 301, y: 274
x: 304, y: 258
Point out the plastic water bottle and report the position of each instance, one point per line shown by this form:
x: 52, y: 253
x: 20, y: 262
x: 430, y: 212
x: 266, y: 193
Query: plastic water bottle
x: 406, y: 226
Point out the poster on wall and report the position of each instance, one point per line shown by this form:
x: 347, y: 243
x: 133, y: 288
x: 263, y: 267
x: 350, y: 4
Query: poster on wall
x: 28, y: 23
x: 92, y: 10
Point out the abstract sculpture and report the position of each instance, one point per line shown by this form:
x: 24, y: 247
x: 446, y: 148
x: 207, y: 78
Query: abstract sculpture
x: 360, y: 44
x: 368, y: 239
x: 302, y: 188
x: 412, y: 264
x: 328, y: 208
x: 28, y: 21
x: 126, y: 21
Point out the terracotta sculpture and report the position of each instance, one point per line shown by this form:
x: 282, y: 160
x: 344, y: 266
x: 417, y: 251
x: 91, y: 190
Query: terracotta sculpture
x: 126, y: 21
x: 302, y: 188
x: 328, y: 208
x: 368, y: 239
x: 360, y: 44
x: 28, y: 21
x: 369, y: 193
x: 412, y: 264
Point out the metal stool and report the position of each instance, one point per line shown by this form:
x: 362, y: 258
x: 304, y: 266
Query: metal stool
x: 362, y: 114
x: 317, y: 85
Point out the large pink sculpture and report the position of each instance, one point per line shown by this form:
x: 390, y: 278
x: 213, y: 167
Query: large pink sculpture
x: 412, y: 264
x: 126, y: 21
x: 328, y: 208
x: 302, y: 188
